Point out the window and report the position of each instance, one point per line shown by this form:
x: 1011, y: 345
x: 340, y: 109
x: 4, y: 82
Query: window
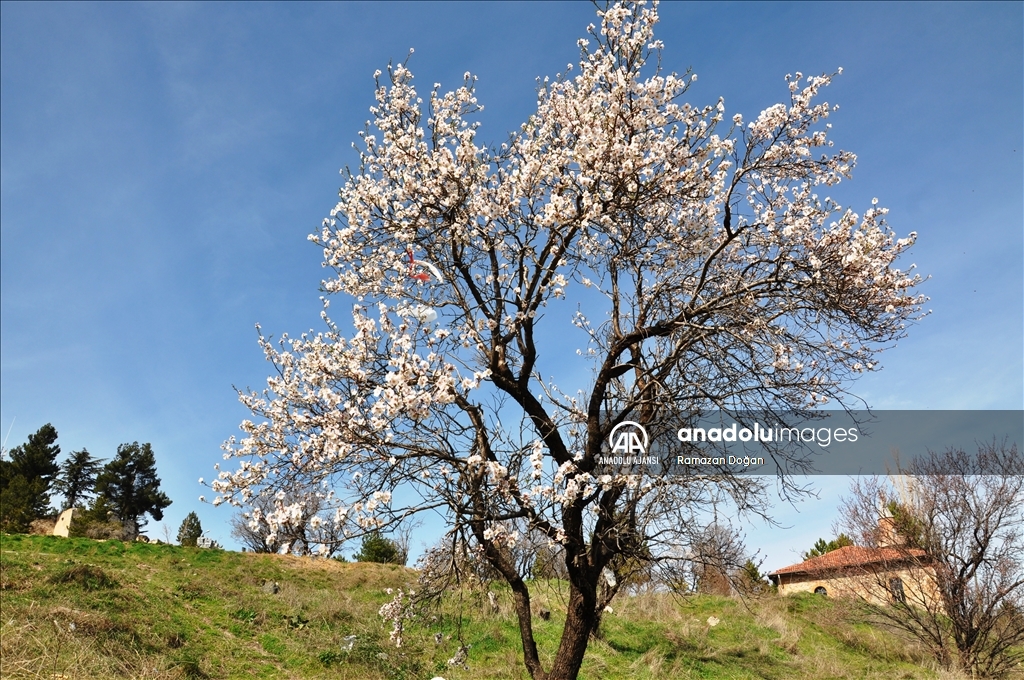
x: 896, y: 591
x: 820, y: 590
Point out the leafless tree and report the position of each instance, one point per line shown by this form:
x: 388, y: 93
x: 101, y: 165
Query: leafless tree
x: 710, y: 564
x: 948, y: 530
x: 549, y: 562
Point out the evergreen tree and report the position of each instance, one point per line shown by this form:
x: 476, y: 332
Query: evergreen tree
x: 16, y: 495
x: 77, y: 479
x: 26, y: 478
x: 748, y: 579
x: 821, y: 546
x: 131, y: 486
x: 190, y: 530
x: 376, y: 548
x: 908, y: 530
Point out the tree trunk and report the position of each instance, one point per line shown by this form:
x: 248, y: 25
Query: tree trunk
x: 521, y: 598
x: 580, y: 620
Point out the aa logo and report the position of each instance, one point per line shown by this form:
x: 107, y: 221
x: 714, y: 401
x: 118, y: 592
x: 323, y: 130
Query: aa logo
x: 628, y: 439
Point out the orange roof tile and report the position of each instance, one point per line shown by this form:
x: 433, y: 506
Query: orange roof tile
x: 851, y: 556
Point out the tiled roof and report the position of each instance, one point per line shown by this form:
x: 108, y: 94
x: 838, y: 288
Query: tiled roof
x: 851, y: 556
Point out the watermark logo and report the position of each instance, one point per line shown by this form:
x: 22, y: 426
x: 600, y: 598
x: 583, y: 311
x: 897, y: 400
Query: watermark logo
x: 629, y: 439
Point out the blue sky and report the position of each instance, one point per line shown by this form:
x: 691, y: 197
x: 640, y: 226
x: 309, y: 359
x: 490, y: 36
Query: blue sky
x: 161, y: 165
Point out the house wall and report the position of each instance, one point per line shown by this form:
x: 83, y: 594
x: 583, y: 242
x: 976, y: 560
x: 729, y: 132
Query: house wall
x: 868, y: 583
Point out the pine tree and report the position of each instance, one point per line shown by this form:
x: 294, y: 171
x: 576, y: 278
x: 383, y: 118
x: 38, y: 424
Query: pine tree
x: 131, y: 486
x: 16, y: 495
x: 821, y: 546
x: 377, y: 548
x: 190, y: 530
x: 26, y: 478
x: 77, y: 479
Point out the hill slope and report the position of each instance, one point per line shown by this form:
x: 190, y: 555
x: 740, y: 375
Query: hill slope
x: 77, y: 608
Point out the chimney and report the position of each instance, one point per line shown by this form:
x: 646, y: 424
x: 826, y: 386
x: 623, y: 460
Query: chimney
x: 888, y: 536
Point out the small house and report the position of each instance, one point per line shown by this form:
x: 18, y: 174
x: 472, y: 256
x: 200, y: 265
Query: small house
x: 878, y: 575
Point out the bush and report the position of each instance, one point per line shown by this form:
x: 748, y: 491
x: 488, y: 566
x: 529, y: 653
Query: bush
x: 85, y: 576
x: 100, y: 531
x: 42, y: 527
x: 98, y: 522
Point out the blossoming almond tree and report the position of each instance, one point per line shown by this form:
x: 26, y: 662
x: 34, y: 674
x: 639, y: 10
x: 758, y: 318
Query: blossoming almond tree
x: 711, y: 271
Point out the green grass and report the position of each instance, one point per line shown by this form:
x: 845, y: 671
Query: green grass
x: 78, y: 608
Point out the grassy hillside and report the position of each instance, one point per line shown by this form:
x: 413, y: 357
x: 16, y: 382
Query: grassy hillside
x: 77, y: 608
